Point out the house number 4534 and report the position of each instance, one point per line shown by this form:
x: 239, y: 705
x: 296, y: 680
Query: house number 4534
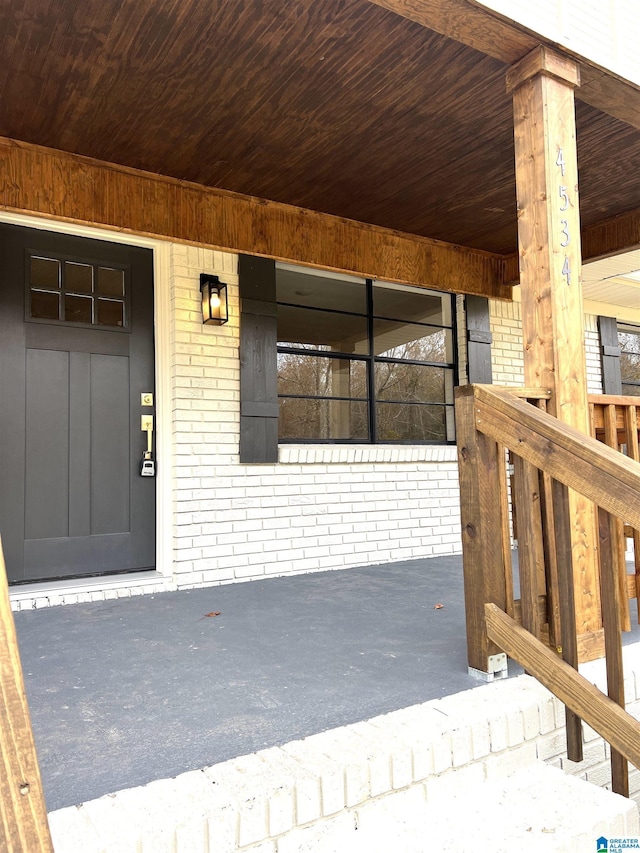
x: 564, y: 224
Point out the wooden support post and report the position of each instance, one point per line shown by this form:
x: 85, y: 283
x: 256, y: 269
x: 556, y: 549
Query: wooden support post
x: 484, y: 557
x: 552, y: 313
x: 23, y: 815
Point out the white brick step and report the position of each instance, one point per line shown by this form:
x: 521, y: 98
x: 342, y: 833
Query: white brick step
x: 459, y: 774
x: 537, y: 808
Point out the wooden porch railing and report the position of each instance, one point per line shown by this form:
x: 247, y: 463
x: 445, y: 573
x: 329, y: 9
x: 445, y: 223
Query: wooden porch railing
x: 539, y: 629
x: 23, y: 813
x: 616, y: 421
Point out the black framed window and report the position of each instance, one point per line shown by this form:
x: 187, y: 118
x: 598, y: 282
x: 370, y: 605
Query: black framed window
x: 363, y: 361
x: 629, y: 343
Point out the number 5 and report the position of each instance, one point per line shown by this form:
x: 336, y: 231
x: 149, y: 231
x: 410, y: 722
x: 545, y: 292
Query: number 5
x: 564, y: 197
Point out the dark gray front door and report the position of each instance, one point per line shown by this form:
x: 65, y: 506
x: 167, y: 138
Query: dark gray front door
x: 76, y: 354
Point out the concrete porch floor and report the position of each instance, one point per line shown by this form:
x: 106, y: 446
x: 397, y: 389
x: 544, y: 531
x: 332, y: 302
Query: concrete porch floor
x: 126, y: 691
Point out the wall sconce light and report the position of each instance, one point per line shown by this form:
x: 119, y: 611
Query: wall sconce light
x: 215, y: 305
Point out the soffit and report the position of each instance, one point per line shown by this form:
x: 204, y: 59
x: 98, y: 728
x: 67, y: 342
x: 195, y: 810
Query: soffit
x: 344, y: 108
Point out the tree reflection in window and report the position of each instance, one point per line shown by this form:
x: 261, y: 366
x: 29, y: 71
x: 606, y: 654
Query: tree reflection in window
x: 363, y: 362
x: 629, y: 343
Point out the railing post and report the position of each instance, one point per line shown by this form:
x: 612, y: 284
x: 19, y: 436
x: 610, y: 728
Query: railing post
x: 483, y: 555
x: 23, y: 814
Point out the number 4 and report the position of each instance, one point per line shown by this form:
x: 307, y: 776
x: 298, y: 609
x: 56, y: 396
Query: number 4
x: 566, y: 270
x: 560, y: 161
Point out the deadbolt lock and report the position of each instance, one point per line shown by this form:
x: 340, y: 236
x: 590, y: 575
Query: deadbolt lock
x: 146, y: 399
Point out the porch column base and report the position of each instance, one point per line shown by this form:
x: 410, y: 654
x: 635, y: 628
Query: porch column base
x: 496, y: 669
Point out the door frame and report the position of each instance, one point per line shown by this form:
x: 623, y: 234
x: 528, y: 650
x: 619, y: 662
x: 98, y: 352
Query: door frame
x: 162, y: 353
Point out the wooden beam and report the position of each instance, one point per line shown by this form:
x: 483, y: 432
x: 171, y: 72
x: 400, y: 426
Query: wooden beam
x: 601, y: 713
x: 23, y: 815
x: 602, y: 240
x: 611, y: 237
x: 78, y: 189
x: 500, y: 37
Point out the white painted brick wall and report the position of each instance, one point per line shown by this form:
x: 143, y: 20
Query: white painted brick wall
x: 322, y: 507
x: 507, y: 349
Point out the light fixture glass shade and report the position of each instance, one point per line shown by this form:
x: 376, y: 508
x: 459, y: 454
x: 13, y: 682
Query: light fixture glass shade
x: 215, y: 305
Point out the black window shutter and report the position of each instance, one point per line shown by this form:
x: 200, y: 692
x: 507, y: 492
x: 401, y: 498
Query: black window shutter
x: 610, y: 354
x: 478, y: 340
x: 258, y: 360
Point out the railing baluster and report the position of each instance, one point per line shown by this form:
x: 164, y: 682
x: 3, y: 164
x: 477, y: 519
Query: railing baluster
x: 530, y: 546
x: 609, y: 593
x: 567, y: 607
x: 551, y: 562
x: 618, y: 540
x: 505, y: 532
x: 631, y: 430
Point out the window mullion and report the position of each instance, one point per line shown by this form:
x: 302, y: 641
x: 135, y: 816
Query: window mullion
x: 370, y: 367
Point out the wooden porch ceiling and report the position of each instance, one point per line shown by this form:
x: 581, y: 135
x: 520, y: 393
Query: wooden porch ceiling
x: 343, y: 107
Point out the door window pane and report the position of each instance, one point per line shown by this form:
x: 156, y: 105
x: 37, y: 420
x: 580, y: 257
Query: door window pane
x: 78, y: 277
x: 110, y: 282
x: 78, y: 309
x: 45, y: 272
x: 110, y: 312
x: 45, y: 306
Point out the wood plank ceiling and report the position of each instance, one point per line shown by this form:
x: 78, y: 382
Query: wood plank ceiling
x: 339, y: 106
